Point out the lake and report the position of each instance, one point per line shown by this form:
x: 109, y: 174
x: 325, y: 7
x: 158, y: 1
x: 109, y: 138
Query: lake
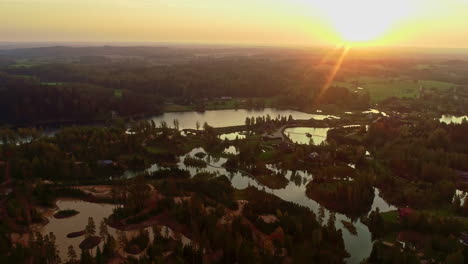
x: 215, y: 118
x: 231, y: 117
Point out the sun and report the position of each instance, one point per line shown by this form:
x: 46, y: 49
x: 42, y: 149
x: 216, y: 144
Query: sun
x: 361, y: 21
x: 359, y: 30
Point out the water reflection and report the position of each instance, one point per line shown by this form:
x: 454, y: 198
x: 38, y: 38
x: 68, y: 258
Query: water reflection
x: 62, y: 227
x: 223, y: 118
x: 450, y: 119
x: 232, y: 136
x: 231, y: 150
x: 359, y: 246
x: 461, y: 195
x: 215, y: 118
x: 374, y: 111
x: 307, y: 135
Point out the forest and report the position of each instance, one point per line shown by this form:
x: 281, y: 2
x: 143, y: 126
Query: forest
x: 79, y: 84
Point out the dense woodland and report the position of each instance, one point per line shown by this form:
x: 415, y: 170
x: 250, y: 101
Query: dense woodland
x: 79, y: 84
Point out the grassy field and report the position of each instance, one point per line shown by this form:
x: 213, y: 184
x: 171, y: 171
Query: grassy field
x: 156, y: 150
x: 383, y: 88
x: 177, y: 108
x: 390, y: 217
x: 52, y: 83
x: 435, y: 85
x: 266, y: 155
x: 118, y: 93
x: 423, y: 66
x: 25, y: 63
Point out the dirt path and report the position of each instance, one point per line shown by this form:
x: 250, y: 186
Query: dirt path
x: 98, y: 191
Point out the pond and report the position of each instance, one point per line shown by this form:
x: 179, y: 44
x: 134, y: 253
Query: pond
x: 307, y: 135
x: 62, y: 227
x: 359, y: 246
x: 231, y: 150
x: 231, y: 117
x: 374, y: 111
x: 233, y: 136
x: 451, y: 119
x: 462, y: 195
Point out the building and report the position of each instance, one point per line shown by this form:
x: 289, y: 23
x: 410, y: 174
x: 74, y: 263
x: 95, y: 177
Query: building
x: 411, y: 239
x: 314, y: 156
x: 106, y: 162
x: 405, y: 212
x: 114, y: 115
x: 464, y: 239
x: 463, y: 176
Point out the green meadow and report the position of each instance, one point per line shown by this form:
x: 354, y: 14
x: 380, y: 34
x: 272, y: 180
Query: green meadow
x: 381, y: 88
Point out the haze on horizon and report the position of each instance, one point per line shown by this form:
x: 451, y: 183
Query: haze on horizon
x: 432, y: 23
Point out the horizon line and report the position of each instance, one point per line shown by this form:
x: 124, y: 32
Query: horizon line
x: 82, y: 43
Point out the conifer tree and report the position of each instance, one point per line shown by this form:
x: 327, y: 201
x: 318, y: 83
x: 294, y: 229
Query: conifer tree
x: 90, y: 229
x: 72, y: 257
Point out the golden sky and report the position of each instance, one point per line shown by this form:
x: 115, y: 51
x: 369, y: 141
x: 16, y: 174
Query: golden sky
x: 438, y: 23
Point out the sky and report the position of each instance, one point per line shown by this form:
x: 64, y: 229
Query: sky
x: 431, y: 23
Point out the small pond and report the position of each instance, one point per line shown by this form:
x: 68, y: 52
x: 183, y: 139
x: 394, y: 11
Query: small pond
x: 231, y: 150
x: 232, y: 136
x: 374, y: 111
x: 451, y: 119
x: 62, y: 227
x: 307, y: 135
x: 462, y: 195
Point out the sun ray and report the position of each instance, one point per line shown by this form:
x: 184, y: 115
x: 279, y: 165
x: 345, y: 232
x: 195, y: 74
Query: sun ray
x: 328, y: 54
x: 333, y: 73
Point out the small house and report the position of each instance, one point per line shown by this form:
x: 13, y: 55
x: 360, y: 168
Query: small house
x: 411, y: 239
x: 464, y: 239
x: 463, y: 176
x: 6, y: 191
x: 314, y: 156
x: 106, y: 162
x: 405, y: 212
